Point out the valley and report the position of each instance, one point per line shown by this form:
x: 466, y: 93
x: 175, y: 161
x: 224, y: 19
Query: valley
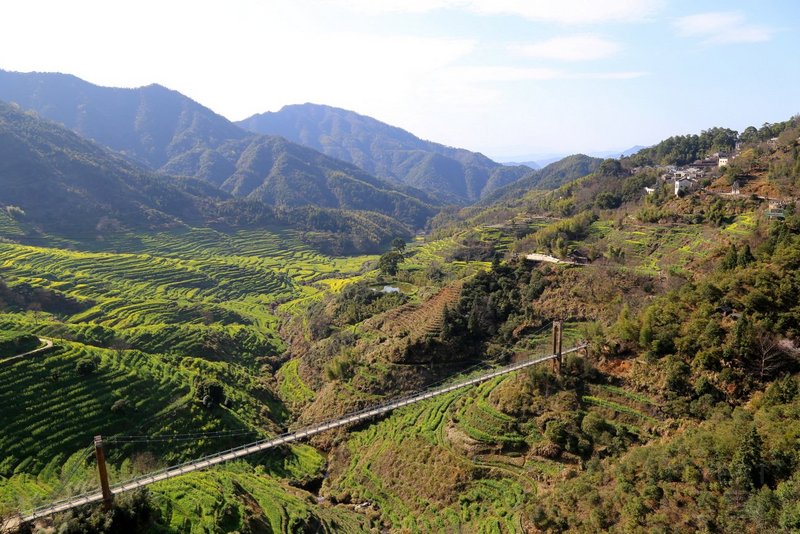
x: 193, y: 315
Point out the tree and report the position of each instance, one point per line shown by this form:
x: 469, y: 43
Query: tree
x: 611, y: 167
x: 769, y: 358
x: 210, y: 392
x: 626, y: 327
x: 742, y: 340
x: 398, y: 244
x: 745, y: 256
x: 731, y: 259
x: 388, y: 262
x: 747, y: 464
x: 607, y: 200
x: 87, y: 366
x: 749, y: 135
x: 763, y: 509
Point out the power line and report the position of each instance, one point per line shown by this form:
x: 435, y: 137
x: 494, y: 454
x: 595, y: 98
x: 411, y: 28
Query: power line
x: 178, y: 437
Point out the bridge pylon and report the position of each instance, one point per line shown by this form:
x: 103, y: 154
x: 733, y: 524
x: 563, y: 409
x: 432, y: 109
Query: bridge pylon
x: 108, y: 497
x: 557, y: 336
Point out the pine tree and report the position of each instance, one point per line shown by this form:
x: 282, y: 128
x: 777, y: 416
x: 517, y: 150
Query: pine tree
x: 745, y: 257
x: 747, y: 463
x: 730, y: 260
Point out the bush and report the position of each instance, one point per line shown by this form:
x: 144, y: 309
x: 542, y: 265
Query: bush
x: 132, y: 513
x: 210, y: 392
x: 87, y: 366
x: 120, y: 406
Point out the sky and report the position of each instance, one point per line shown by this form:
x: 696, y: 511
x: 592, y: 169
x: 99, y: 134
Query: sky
x: 514, y: 79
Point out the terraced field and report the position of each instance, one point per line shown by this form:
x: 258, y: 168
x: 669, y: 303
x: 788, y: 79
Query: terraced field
x: 414, y: 319
x: 196, y: 304
x: 408, y: 464
x: 635, y: 413
x: 197, y: 291
x: 656, y: 249
x: 241, y: 500
x: 425, y: 252
x: 409, y: 467
x: 51, y: 411
x: 291, y: 387
x: 8, y: 225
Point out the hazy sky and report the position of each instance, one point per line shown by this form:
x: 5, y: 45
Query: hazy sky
x: 509, y: 78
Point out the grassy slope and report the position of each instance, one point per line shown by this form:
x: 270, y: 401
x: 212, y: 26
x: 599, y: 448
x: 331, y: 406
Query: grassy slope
x: 159, y: 292
x: 459, y: 462
x: 465, y: 461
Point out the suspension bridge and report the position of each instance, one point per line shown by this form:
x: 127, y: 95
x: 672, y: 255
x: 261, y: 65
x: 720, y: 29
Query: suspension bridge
x: 106, y: 492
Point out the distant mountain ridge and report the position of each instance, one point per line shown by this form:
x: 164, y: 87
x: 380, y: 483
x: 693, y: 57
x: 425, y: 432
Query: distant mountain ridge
x: 171, y: 133
x: 61, y: 181
x: 53, y: 182
x: 150, y: 124
x: 455, y: 174
x: 543, y: 160
x: 552, y: 176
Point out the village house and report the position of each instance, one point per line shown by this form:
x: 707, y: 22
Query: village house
x: 775, y: 209
x: 722, y: 161
x: 685, y: 185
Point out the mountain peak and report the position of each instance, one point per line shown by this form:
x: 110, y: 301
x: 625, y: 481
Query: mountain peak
x: 457, y: 175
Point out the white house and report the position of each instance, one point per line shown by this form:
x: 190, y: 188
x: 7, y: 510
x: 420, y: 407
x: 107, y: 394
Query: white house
x: 684, y: 185
x: 723, y: 161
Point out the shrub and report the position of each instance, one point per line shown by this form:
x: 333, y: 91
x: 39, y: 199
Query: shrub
x: 87, y: 366
x: 120, y: 406
x: 210, y: 392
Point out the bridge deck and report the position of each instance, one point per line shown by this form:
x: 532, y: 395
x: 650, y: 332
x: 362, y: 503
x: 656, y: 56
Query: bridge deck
x: 258, y: 446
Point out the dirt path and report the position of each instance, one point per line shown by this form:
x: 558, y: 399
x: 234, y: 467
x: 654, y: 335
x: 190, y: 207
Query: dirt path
x: 48, y: 344
x: 547, y: 259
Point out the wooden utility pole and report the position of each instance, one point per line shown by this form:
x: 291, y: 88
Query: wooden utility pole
x: 108, y: 497
x: 557, y: 347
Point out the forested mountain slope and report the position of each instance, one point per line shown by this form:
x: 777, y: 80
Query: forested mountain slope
x: 171, y: 133
x: 56, y: 182
x: 549, y: 177
x: 55, y: 178
x: 378, y: 148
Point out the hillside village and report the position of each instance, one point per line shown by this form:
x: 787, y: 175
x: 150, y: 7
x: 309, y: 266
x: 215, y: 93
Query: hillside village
x: 704, y: 175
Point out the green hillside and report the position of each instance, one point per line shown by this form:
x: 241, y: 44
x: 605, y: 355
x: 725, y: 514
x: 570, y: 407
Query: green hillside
x: 165, y: 131
x: 174, y: 342
x: 56, y: 183
x: 454, y: 174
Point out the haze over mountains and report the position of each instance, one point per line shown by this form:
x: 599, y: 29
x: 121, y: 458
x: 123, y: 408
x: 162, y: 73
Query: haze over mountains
x: 458, y: 175
x: 59, y: 179
x: 373, y: 179
x: 537, y: 161
x: 172, y: 134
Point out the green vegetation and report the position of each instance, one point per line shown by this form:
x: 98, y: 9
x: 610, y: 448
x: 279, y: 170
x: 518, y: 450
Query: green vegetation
x: 685, y: 149
x: 170, y: 133
x: 13, y: 343
x: 726, y: 474
x: 455, y: 175
x: 186, y: 322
